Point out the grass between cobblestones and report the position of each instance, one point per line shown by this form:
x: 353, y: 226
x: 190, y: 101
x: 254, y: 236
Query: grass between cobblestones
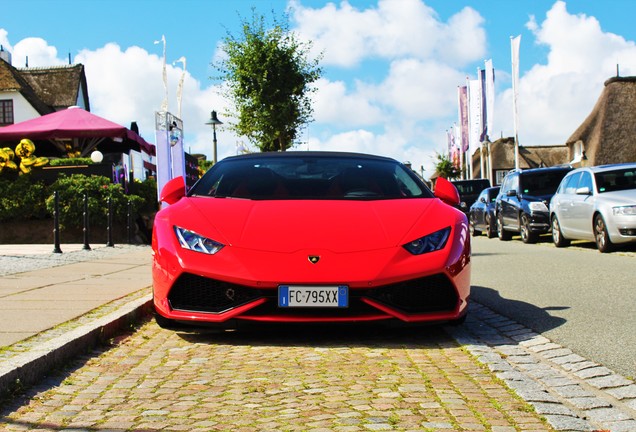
x: 295, y: 380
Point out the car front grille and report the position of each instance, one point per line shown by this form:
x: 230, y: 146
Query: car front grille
x: 425, y: 295
x: 196, y: 293
x: 429, y: 294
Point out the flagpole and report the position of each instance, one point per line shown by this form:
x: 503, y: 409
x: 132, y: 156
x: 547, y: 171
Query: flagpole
x: 164, y: 103
x: 514, y: 46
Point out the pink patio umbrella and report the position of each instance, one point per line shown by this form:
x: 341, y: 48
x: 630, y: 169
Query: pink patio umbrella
x: 85, y: 129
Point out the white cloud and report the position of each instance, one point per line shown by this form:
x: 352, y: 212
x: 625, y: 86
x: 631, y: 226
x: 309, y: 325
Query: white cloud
x: 335, y: 104
x: 420, y: 90
x: 4, y: 40
x: 37, y: 52
x: 556, y: 97
x: 346, y: 35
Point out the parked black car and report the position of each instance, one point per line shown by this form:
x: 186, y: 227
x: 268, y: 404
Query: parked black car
x: 522, y: 205
x: 481, y: 215
x: 469, y: 190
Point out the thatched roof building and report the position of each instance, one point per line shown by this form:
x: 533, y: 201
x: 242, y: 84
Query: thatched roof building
x: 501, y: 158
x: 58, y: 86
x: 608, y: 134
x: 46, y: 89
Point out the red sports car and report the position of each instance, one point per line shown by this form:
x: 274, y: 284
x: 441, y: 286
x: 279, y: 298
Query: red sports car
x: 309, y: 237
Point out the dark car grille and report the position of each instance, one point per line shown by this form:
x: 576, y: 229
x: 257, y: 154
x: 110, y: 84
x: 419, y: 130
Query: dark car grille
x: 430, y: 294
x: 197, y: 293
x: 425, y: 295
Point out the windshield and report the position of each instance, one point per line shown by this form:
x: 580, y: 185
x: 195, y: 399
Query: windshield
x: 619, y: 180
x: 541, y: 183
x: 310, y: 177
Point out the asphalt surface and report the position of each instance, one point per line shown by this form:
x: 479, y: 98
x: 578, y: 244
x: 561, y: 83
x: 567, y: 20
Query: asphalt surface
x: 455, y: 378
x: 575, y: 296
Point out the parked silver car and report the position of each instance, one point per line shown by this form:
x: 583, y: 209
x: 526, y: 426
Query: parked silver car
x: 596, y: 203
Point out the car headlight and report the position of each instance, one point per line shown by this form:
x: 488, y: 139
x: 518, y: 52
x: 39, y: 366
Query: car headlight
x: 537, y: 206
x: 625, y: 210
x: 195, y: 242
x: 428, y: 243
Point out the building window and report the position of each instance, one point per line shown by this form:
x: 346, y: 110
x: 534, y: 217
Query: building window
x: 6, y: 112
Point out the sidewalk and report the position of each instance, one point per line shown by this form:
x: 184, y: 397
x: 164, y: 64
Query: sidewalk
x: 54, y: 305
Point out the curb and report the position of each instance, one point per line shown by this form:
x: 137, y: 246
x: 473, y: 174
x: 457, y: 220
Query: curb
x: 30, y: 367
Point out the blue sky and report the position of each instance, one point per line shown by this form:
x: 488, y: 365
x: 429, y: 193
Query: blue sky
x: 391, y: 67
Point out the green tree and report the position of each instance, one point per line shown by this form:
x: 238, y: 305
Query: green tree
x: 268, y: 77
x: 446, y: 168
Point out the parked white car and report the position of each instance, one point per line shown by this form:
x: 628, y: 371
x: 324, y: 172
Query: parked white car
x: 596, y: 203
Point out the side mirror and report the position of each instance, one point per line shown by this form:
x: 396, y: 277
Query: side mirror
x: 446, y: 191
x: 483, y: 200
x: 173, y: 191
x: 511, y: 193
x: 585, y: 190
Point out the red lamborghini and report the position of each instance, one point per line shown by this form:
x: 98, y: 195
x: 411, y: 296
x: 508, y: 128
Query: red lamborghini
x: 309, y: 237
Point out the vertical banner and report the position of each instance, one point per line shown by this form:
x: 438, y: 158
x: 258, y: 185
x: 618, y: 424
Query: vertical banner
x: 475, y: 120
x: 177, y: 154
x: 169, y: 142
x: 481, y: 77
x: 464, y: 126
x: 489, y: 92
x: 463, y: 117
x: 514, y: 46
x: 474, y: 114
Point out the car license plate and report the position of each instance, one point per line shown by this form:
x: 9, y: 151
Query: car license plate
x: 313, y: 296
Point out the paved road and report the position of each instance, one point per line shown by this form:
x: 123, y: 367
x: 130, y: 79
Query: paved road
x: 575, y: 296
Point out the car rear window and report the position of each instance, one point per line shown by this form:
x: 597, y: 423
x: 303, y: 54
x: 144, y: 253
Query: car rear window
x: 541, y: 183
x: 311, y: 177
x: 618, y: 180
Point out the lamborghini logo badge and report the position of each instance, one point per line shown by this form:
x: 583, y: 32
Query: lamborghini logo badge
x: 313, y: 259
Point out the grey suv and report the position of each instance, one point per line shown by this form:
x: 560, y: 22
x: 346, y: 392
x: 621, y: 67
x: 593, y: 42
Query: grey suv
x: 523, y: 201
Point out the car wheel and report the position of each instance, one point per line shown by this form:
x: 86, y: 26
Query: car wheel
x: 474, y: 232
x: 557, y: 235
x: 526, y: 235
x: 603, y: 242
x: 491, y: 230
x: 501, y: 232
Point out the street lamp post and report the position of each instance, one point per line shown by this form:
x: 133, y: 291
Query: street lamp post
x: 214, y: 120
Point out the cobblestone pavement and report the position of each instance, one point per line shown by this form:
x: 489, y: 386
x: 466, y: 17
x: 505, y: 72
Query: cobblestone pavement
x: 305, y: 379
x: 491, y: 374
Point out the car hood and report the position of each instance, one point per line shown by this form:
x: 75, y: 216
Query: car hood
x: 292, y: 225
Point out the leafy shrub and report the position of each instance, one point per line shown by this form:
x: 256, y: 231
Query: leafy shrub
x: 147, y: 190
x: 70, y: 161
x: 99, y: 189
x: 21, y: 199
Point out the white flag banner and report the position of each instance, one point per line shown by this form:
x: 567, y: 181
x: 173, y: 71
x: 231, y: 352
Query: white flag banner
x: 515, y: 42
x: 474, y: 114
x: 490, y: 97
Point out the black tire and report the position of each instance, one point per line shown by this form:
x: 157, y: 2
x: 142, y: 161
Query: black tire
x: 603, y: 242
x: 459, y: 321
x: 491, y: 229
x: 474, y: 232
x: 501, y: 232
x: 527, y: 236
x: 557, y: 236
